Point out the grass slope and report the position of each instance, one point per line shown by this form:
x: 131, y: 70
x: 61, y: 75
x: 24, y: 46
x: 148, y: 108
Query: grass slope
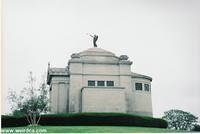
x: 87, y: 129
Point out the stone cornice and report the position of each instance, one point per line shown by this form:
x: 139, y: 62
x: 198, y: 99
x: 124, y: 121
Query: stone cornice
x: 49, y: 76
x: 106, y: 63
x: 125, y: 62
x: 101, y: 87
x: 142, y: 77
x: 101, y: 74
x: 92, y: 62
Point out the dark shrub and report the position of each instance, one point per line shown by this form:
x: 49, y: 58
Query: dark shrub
x: 13, y: 121
x: 196, y: 128
x: 89, y: 119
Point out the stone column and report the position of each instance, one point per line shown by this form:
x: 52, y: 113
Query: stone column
x: 54, y: 98
x: 125, y: 80
x: 62, y: 97
x: 75, y: 70
x: 59, y: 94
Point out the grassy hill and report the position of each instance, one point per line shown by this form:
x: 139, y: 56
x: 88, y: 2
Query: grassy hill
x: 86, y: 129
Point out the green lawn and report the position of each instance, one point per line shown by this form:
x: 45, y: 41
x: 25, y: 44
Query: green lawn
x: 85, y: 129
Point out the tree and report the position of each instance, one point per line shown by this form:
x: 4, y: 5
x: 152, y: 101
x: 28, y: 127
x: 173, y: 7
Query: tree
x: 180, y: 120
x: 31, y: 102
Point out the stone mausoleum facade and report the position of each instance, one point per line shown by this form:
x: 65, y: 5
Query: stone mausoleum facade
x: 97, y: 80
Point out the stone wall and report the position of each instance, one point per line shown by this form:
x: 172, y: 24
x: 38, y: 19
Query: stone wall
x: 103, y: 100
x: 59, y: 94
x: 142, y: 102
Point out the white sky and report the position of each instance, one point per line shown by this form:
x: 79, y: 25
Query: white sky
x: 161, y: 37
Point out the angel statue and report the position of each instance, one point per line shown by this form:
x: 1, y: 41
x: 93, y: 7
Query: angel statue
x: 95, y: 38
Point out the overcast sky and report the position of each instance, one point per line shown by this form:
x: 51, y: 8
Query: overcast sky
x: 161, y: 37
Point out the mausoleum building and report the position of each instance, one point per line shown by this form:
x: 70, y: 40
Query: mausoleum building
x: 96, y: 80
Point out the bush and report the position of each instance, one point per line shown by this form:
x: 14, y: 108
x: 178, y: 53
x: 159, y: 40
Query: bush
x: 13, y: 121
x: 196, y: 128
x: 88, y: 119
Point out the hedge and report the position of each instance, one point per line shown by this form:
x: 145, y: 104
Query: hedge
x: 196, y: 128
x: 88, y: 119
x: 13, y: 121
